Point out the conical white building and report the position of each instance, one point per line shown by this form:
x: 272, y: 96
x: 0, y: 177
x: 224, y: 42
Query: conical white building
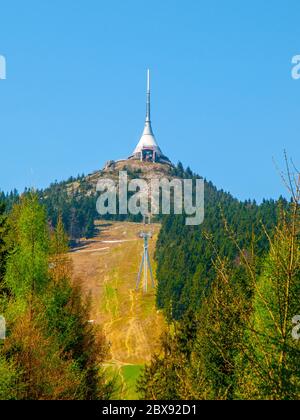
x: 147, y: 149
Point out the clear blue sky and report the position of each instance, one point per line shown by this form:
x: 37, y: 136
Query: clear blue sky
x: 223, y: 100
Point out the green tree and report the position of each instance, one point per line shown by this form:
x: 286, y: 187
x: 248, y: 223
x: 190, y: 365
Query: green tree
x: 90, y: 229
x: 3, y: 247
x: 8, y: 379
x: 27, y: 263
x: 167, y: 376
x: 67, y: 315
x: 51, y: 348
x: 270, y: 366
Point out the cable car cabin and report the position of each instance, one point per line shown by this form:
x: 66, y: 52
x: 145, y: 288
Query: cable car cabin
x: 148, y: 154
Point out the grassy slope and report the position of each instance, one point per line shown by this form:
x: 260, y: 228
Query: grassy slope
x: 107, y: 267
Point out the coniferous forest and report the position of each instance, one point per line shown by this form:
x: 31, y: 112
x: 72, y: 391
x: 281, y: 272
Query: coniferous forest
x: 229, y: 290
x: 51, y: 350
x: 149, y: 204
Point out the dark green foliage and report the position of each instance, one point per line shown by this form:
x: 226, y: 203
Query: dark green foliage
x: 9, y: 199
x: 51, y: 350
x: 184, y: 256
x: 234, y: 337
x: 77, y: 209
x: 3, y: 247
x: 270, y: 358
x: 90, y: 229
x: 166, y: 377
x: 67, y: 319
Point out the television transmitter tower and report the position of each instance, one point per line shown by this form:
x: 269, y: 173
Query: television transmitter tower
x: 145, y: 263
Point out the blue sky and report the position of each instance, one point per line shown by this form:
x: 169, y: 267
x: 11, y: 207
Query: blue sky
x: 223, y: 100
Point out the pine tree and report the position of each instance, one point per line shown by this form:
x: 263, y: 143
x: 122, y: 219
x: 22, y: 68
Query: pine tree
x: 60, y: 263
x: 3, y: 246
x: 270, y: 366
x: 51, y: 350
x: 8, y: 379
x: 90, y: 229
x: 27, y: 263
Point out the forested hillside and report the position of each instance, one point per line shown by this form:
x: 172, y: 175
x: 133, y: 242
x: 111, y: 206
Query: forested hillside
x: 74, y: 200
x: 230, y: 290
x: 184, y: 255
x: 51, y: 351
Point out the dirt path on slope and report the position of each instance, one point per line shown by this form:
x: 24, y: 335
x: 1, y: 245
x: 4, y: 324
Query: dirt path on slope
x: 107, y: 267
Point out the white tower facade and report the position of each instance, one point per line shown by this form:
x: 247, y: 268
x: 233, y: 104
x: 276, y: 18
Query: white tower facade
x: 147, y: 148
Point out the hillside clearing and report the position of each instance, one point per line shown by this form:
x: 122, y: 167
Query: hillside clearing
x: 107, y: 267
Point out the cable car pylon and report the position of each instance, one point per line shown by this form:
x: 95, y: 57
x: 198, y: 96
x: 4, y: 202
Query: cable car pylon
x: 145, y: 263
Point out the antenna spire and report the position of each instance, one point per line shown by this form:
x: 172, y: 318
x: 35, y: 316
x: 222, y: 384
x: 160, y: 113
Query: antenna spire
x: 145, y: 264
x: 148, y: 97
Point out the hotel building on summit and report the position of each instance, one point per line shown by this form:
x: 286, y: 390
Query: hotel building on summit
x: 147, y: 149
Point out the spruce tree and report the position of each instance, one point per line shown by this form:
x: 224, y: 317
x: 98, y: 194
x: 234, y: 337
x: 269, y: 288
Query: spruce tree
x: 270, y: 367
x: 3, y: 246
